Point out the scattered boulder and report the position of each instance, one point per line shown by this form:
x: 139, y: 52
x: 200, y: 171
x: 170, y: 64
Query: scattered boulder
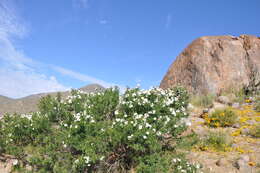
x: 222, y: 162
x: 217, y: 105
x: 242, y: 164
x: 245, y: 131
x: 235, y: 105
x: 224, y: 100
x: 206, y: 110
x: 236, y: 125
x: 251, y: 122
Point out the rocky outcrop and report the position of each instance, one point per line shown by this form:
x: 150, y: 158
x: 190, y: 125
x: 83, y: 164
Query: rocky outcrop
x: 217, y: 63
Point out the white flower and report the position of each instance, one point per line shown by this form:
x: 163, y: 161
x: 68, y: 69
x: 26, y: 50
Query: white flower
x: 147, y: 125
x: 15, y: 162
x: 116, y: 112
x: 188, y: 123
x: 145, y: 137
x: 140, y: 127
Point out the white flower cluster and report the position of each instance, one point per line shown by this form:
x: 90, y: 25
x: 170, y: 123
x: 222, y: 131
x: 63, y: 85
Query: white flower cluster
x: 147, y: 121
x: 28, y: 116
x: 186, y: 166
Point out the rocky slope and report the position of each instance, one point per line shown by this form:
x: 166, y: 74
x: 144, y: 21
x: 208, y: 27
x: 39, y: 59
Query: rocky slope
x: 29, y: 103
x: 243, y: 154
x: 213, y: 64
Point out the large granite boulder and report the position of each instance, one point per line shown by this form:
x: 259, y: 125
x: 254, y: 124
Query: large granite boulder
x: 217, y: 63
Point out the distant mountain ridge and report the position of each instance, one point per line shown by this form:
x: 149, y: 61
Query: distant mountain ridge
x: 29, y: 103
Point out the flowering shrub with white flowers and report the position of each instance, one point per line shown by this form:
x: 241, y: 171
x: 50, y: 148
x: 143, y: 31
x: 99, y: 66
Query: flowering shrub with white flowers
x: 100, y: 132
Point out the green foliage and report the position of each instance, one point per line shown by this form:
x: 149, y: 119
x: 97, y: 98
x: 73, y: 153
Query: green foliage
x: 221, y: 118
x: 154, y: 163
x: 255, y: 131
x: 165, y: 164
x: 257, y: 106
x: 240, y: 96
x: 217, y: 141
x: 202, y: 100
x: 90, y: 132
x: 188, y: 142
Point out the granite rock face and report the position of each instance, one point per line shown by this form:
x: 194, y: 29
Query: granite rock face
x: 213, y: 64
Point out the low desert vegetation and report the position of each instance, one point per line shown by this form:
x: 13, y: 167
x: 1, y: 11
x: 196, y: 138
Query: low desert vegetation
x: 255, y: 131
x: 202, y: 100
x: 257, y: 106
x: 236, y: 95
x: 100, y: 132
x: 221, y: 118
x: 215, y: 141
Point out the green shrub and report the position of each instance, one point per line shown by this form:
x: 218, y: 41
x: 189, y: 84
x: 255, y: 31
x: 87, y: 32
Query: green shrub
x: 202, y: 100
x: 216, y: 141
x: 255, y: 131
x: 221, y: 118
x: 188, y: 142
x: 88, y: 132
x: 154, y: 163
x: 257, y: 106
x: 166, y: 164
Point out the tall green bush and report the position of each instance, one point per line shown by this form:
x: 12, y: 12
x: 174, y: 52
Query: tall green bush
x: 88, y: 132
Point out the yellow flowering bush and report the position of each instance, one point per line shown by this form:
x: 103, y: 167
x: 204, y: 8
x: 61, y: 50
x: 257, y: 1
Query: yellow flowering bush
x: 221, y: 118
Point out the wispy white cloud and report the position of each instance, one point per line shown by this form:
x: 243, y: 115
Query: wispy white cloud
x: 80, y: 76
x: 16, y: 84
x: 10, y: 23
x: 80, y: 3
x: 20, y: 75
x: 103, y: 22
x: 85, y: 78
x: 168, y: 21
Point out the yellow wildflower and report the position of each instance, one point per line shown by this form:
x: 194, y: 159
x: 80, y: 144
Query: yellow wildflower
x: 251, y: 163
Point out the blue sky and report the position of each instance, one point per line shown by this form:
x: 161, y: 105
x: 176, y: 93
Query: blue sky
x: 53, y: 45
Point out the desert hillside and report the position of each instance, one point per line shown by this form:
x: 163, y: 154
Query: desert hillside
x: 29, y: 103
